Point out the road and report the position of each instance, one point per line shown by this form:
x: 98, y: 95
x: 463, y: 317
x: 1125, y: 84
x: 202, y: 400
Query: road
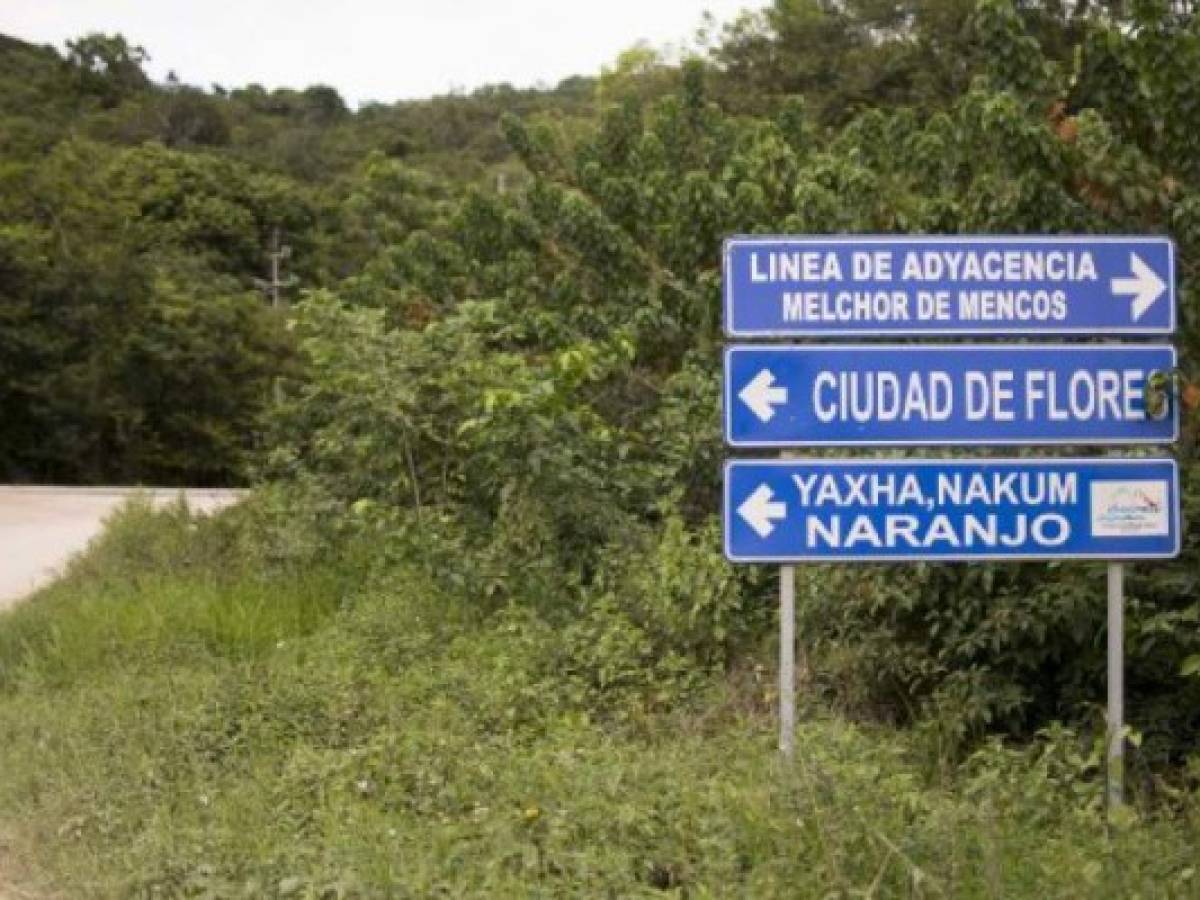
x: 41, y: 528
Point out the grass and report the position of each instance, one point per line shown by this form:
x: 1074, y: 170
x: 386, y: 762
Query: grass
x: 174, y: 727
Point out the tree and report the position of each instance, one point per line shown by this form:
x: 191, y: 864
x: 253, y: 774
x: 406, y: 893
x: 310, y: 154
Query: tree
x: 324, y: 105
x: 132, y: 346
x: 107, y: 67
x: 639, y: 73
x: 194, y: 119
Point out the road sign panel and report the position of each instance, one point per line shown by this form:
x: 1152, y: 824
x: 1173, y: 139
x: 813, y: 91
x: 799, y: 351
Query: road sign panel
x: 950, y: 509
x: 875, y: 286
x: 926, y: 395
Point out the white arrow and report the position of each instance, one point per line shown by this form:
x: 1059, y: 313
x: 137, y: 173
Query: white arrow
x: 1144, y: 286
x: 760, y: 511
x: 761, y: 395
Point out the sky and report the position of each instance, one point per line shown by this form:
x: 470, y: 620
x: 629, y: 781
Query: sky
x: 371, y: 49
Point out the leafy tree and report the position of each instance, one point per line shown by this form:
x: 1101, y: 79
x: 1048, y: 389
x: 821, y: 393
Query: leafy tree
x: 106, y: 67
x: 639, y: 73
x: 193, y: 119
x: 323, y: 104
x: 136, y: 352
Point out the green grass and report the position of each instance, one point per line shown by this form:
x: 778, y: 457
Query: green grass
x: 152, y: 625
x: 197, y: 730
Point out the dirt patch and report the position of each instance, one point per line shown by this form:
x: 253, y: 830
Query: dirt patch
x: 17, y: 881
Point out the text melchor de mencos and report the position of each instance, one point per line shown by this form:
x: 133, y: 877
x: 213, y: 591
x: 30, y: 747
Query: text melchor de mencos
x: 924, y: 267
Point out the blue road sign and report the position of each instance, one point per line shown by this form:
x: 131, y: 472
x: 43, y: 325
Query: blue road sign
x: 960, y: 394
x: 950, y: 509
x: 875, y: 286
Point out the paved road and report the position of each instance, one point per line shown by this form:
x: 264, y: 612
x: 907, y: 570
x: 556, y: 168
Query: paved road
x: 43, y: 527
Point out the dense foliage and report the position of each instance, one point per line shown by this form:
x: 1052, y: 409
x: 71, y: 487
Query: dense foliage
x: 135, y: 223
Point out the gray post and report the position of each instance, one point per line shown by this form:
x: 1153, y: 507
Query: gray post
x: 787, y: 659
x: 275, y: 256
x: 1116, y: 685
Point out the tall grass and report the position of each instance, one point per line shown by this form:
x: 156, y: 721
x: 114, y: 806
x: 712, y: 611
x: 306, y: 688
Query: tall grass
x: 159, y: 588
x: 174, y: 726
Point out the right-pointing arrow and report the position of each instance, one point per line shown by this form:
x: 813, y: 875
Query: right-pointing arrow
x: 761, y: 510
x: 1143, y: 285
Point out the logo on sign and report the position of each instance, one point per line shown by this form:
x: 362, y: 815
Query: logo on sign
x: 1129, y: 508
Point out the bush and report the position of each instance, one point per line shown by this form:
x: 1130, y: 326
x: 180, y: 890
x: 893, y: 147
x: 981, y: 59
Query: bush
x: 410, y: 745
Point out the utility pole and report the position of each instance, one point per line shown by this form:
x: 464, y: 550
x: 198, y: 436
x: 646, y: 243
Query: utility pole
x: 277, y: 254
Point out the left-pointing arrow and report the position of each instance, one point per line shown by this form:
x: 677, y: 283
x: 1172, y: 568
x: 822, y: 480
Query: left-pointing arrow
x: 762, y: 396
x: 761, y: 511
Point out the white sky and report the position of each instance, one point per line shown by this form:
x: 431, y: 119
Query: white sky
x: 371, y: 49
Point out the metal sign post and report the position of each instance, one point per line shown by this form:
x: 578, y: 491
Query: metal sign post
x: 787, y: 659
x: 787, y: 653
x: 1116, y: 685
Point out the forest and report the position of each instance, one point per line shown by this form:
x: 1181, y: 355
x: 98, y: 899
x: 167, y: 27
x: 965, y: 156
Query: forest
x: 472, y: 633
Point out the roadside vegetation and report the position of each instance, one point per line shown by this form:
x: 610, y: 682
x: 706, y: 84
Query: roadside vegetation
x: 472, y: 634
x: 180, y: 721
